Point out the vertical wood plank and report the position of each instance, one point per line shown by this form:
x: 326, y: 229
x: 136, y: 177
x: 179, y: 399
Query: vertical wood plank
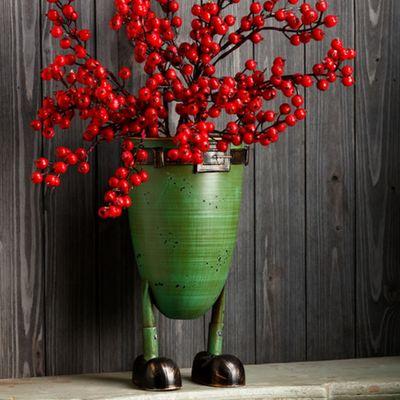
x: 330, y: 208
x: 83, y: 283
x: 239, y: 334
x: 378, y: 178
x: 119, y: 285
x: 280, y: 226
x: 181, y: 340
x: 71, y: 270
x: 21, y: 228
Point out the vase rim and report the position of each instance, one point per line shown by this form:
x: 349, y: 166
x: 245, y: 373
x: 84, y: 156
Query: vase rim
x: 167, y: 138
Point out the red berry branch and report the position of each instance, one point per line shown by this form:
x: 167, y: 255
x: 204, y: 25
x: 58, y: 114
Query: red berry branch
x: 180, y: 75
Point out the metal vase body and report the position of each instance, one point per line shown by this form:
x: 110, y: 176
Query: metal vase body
x: 184, y: 231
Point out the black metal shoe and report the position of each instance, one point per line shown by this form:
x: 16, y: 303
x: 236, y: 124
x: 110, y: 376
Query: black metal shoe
x: 156, y: 374
x: 218, y: 371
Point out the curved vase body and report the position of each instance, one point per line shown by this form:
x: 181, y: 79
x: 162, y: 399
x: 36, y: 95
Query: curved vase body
x: 184, y: 229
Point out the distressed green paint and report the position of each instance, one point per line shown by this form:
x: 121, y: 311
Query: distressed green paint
x: 184, y: 229
x: 150, y: 337
x: 216, y: 329
x: 150, y: 343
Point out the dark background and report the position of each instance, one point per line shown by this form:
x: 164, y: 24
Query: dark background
x: 316, y: 272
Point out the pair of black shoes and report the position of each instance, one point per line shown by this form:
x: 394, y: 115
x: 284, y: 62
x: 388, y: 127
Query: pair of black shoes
x: 163, y: 374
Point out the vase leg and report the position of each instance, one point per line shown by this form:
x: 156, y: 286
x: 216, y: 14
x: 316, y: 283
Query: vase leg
x: 151, y: 372
x: 212, y: 368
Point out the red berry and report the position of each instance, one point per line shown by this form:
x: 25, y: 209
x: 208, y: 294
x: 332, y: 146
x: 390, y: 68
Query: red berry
x: 234, y: 38
x: 142, y: 156
x: 81, y: 153
x: 60, y: 167
x: 114, y: 212
x: 330, y: 21
x: 291, y: 120
x: 222, y: 146
x: 347, y: 70
x: 280, y: 15
x: 248, y: 138
x: 110, y: 196
x: 173, y: 6
x: 71, y: 159
x: 256, y: 38
x: 135, y: 179
x: 125, y: 73
x: 269, y: 5
x: 53, y: 15
x: 83, y: 168
x: 49, y: 133
x: 103, y: 212
x: 337, y: 44
x: 255, y: 8
x: 68, y: 10
x: 348, y: 81
x: 300, y: 113
x: 36, y: 125
x: 297, y: 101
x: 116, y: 22
x: 62, y: 152
x: 37, y: 177
x: 173, y: 154
x: 285, y: 108
x: 52, y: 180
x: 269, y: 115
x: 65, y: 43
x: 84, y: 34
x: 323, y: 85
x: 127, y: 201
x: 230, y: 20
x: 251, y: 65
x: 307, y: 81
x: 144, y: 176
x: 277, y: 70
x: 321, y: 5
x: 42, y: 163
x: 176, y: 21
x: 295, y: 40
x: 56, y: 31
x: 121, y: 173
x: 318, y: 34
x: 113, y: 182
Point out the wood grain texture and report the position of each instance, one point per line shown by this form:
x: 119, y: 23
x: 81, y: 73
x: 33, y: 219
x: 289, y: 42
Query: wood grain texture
x: 316, y: 271
x: 181, y: 340
x: 72, y: 337
x: 330, y: 207
x: 239, y: 332
x: 378, y: 178
x: 280, y: 225
x: 119, y: 284
x: 21, y: 228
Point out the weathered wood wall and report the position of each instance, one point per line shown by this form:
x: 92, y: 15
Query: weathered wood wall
x: 317, y: 269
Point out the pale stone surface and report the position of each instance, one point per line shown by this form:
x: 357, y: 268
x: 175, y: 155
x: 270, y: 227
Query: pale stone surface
x: 377, y: 378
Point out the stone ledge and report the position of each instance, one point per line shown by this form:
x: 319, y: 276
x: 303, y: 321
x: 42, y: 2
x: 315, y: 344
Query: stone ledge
x: 375, y: 378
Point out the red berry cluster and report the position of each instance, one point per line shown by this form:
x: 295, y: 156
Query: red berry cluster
x: 180, y: 75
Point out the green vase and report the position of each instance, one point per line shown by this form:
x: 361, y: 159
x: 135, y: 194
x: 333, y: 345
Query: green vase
x: 184, y: 231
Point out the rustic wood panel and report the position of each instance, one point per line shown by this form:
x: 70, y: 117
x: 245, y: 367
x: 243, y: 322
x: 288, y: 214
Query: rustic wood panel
x: 21, y: 227
x: 72, y: 337
x: 119, y: 286
x: 280, y: 226
x: 239, y: 333
x: 330, y: 208
x: 181, y: 340
x: 315, y: 274
x: 378, y: 178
